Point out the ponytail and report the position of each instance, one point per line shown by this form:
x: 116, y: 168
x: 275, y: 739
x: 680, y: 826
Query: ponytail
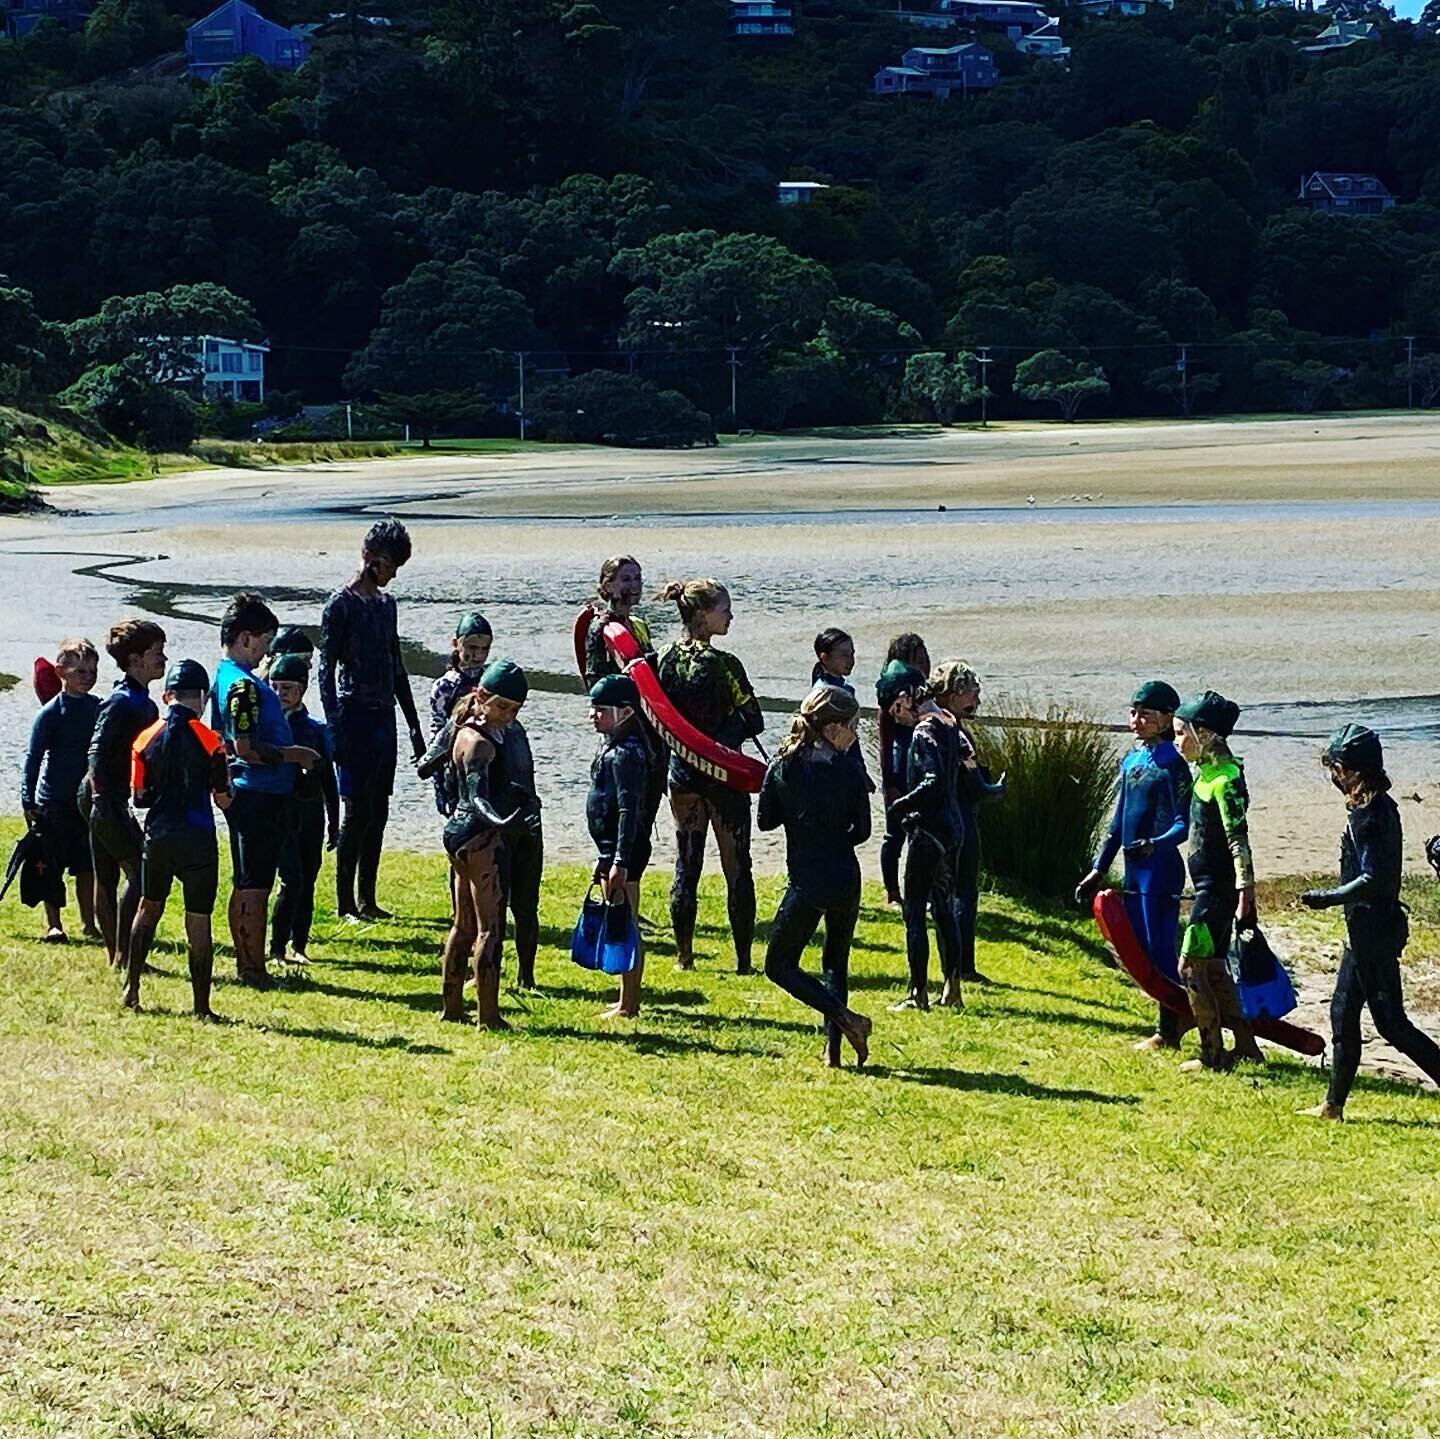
x: 691, y: 597
x: 824, y: 705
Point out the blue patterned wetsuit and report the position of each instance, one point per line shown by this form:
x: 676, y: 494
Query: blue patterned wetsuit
x: 1152, y: 803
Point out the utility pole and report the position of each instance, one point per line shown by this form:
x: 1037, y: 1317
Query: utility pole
x: 1183, y: 365
x: 1409, y: 372
x: 734, y: 367
x: 349, y: 422
x: 520, y: 356
x: 984, y: 361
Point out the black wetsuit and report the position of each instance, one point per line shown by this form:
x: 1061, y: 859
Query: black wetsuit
x: 1377, y: 931
x: 894, y: 757
x: 935, y: 828
x: 710, y: 689
x: 522, y: 847
x: 362, y: 678
x: 617, y: 811
x: 55, y: 765
x: 823, y: 802
x: 314, y: 809
x: 974, y: 787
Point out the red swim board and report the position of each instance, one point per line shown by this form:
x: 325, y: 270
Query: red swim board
x: 580, y: 632
x: 1120, y: 935
x: 731, y: 768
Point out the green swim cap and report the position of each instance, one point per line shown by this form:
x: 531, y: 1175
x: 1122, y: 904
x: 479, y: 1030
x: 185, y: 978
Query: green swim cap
x: 1212, y: 711
x: 473, y: 623
x: 615, y: 690
x: 186, y: 675
x: 291, y: 640
x: 1356, y: 747
x: 896, y: 679
x: 1156, y: 695
x: 507, y: 680
x: 291, y: 667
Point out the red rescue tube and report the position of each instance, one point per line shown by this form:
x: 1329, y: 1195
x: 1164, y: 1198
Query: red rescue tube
x: 1120, y: 935
x: 731, y: 768
x: 580, y: 632
x: 46, y: 680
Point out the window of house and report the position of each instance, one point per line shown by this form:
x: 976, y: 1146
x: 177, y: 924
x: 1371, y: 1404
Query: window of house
x: 255, y: 360
x: 230, y: 362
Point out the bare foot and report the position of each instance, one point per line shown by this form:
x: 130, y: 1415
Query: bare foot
x: 1323, y: 1111
x: 299, y: 957
x: 1193, y: 1066
x: 92, y: 933
x: 208, y: 1016
x: 920, y: 1002
x: 1150, y: 1045
x: 493, y: 1021
x: 856, y: 1028
x: 950, y: 995
x: 374, y: 912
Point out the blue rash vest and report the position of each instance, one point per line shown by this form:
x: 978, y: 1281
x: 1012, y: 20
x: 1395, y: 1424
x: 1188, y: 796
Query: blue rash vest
x: 1152, y: 802
x: 249, y: 707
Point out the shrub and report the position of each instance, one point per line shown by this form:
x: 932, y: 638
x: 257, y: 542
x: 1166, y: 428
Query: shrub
x: 601, y: 407
x: 1059, y: 768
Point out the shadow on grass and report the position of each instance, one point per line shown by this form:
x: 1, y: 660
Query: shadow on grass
x: 1037, y: 932
x: 986, y: 1083
x: 396, y: 1042
x: 608, y: 982
x: 646, y: 1041
x: 725, y: 1021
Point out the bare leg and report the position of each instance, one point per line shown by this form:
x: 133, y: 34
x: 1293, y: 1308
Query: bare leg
x: 85, y: 900
x: 201, y: 942
x: 629, y: 1004
x: 459, y: 945
x: 142, y: 936
x: 481, y: 872
x: 54, y: 928
x: 247, y: 934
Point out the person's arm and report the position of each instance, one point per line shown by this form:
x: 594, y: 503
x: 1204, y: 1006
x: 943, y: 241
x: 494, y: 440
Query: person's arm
x: 860, y: 818
x: 770, y: 810
x: 219, y: 776
x: 34, y: 758
x: 629, y: 771
x: 109, y: 734
x: 746, y: 707
x: 1369, y: 859
x: 925, y: 776
x: 403, y: 693
x: 439, y: 752
x: 331, y: 793
x: 439, y: 693
x: 242, y: 710
x: 598, y: 663
x: 1231, y: 801
x: 333, y: 631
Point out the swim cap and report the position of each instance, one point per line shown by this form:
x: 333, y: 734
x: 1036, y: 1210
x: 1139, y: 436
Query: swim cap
x: 473, y: 623
x: 1212, y: 711
x: 291, y: 640
x: 615, y: 690
x: 186, y: 675
x: 896, y: 679
x: 1156, y: 695
x: 291, y: 667
x: 505, y: 679
x: 1356, y: 747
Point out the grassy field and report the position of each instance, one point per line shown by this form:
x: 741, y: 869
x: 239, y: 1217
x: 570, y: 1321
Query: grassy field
x: 334, y: 1216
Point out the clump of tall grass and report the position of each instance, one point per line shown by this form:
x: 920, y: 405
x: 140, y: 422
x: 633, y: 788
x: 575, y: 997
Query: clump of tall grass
x: 1059, y: 767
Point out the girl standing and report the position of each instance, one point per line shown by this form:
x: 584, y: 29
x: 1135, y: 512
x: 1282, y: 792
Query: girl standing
x: 621, y: 585
x: 910, y: 650
x: 710, y: 689
x: 1375, y: 925
x: 822, y: 802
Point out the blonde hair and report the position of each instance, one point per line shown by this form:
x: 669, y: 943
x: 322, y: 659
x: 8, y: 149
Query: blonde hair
x: 75, y: 652
x: 950, y: 677
x: 692, y: 597
x: 824, y: 705
x: 1210, y: 744
x: 608, y: 570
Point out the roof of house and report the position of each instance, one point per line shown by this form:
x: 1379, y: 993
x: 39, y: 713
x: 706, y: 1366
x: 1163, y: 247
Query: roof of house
x: 946, y: 50
x: 1347, y: 183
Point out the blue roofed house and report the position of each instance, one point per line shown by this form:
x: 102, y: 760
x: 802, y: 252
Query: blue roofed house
x: 22, y: 16
x: 923, y: 70
x: 236, y: 30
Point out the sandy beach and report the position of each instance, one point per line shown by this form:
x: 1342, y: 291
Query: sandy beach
x: 1286, y: 562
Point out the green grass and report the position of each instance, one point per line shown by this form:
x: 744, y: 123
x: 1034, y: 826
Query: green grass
x: 336, y: 1216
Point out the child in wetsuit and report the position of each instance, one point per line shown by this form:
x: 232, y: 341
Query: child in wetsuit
x: 1150, y: 823
x: 824, y: 806
x: 138, y: 648
x: 617, y: 810
x: 834, y: 664
x: 710, y: 688
x: 55, y: 765
x: 178, y: 766
x: 1223, y: 875
x: 1376, y: 929
x: 469, y: 654
x: 930, y: 810
x: 314, y: 815
x: 910, y: 650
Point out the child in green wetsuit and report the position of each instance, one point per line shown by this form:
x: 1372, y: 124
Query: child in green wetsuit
x: 1223, y: 874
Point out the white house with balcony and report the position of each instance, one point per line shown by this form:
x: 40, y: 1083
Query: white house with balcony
x: 234, y: 369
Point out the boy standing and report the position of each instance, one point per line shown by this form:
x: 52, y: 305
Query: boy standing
x: 362, y: 678
x: 54, y: 768
x: 316, y: 816
x: 138, y: 647
x: 263, y: 764
x: 177, y: 766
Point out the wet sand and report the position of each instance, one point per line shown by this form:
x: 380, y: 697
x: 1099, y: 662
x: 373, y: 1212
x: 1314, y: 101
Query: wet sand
x: 1285, y: 562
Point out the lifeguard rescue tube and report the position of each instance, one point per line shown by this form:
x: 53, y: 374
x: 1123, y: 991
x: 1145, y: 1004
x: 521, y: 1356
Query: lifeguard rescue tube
x: 46, y: 680
x: 580, y: 633
x: 728, y: 766
x: 1115, y: 925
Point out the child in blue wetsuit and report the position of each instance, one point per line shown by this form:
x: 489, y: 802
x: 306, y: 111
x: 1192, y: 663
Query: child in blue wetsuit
x: 1151, y: 822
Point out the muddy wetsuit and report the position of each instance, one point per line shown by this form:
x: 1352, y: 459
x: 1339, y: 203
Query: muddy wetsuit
x: 1220, y: 866
x: 1377, y: 930
x: 974, y: 787
x: 617, y: 811
x: 710, y: 689
x: 894, y: 756
x: 823, y: 802
x: 599, y: 662
x: 1152, y: 803
x: 177, y: 764
x: 315, y: 810
x: 115, y: 838
x: 445, y: 694
x: 935, y: 828
x: 55, y: 765
x: 362, y: 677
x: 522, y: 846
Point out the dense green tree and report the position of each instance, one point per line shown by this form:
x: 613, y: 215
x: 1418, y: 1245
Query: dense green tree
x: 1056, y: 379
x: 1186, y: 387
x: 128, y: 402
x: 602, y: 407
x: 939, y: 385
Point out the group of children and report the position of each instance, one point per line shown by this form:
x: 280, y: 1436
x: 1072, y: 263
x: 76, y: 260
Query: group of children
x: 290, y: 786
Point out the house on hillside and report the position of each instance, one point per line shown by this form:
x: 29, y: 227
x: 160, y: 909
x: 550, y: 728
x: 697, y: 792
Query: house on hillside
x: 1045, y: 43
x: 236, y: 30
x: 798, y: 192
x: 1010, y: 18
x: 1122, y: 7
x: 1340, y: 35
x: 761, y: 20
x: 954, y: 70
x: 22, y: 16
x: 1340, y: 192
x: 234, y: 369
